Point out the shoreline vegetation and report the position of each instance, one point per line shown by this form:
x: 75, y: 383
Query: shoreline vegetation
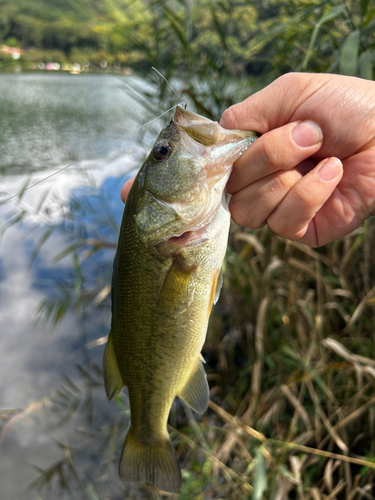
x: 201, y: 39
x: 290, y: 346
x: 220, y: 51
x: 15, y: 59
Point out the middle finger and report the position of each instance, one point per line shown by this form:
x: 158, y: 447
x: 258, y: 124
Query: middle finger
x: 253, y: 205
x: 279, y: 149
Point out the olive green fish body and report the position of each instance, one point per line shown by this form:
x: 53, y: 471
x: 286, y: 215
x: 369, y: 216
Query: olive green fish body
x: 171, y: 246
x: 163, y: 301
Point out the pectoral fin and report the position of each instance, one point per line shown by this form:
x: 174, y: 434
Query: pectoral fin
x: 174, y: 291
x: 196, y: 392
x: 113, y: 380
x: 216, y: 286
x: 215, y: 289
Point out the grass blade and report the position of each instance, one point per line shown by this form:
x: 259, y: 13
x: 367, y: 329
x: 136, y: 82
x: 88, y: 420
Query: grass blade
x: 328, y: 16
x: 260, y: 483
x: 349, y: 55
x: 365, y: 66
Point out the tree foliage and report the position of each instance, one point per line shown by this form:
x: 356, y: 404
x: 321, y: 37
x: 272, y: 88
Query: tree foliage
x: 201, y: 38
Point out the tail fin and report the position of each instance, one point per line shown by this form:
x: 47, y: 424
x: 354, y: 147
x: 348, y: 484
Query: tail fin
x: 154, y: 462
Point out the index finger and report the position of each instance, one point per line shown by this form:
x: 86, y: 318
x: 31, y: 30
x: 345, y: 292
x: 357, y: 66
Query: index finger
x: 273, y: 106
x: 280, y: 149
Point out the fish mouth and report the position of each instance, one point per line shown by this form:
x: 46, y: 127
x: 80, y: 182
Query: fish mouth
x: 209, y: 133
x: 175, y: 210
x: 188, y: 238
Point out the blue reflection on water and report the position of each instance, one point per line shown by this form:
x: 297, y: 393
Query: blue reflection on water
x: 42, y: 129
x: 2, y: 271
x: 96, y: 215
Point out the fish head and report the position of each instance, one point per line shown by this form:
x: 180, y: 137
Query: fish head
x: 181, y: 184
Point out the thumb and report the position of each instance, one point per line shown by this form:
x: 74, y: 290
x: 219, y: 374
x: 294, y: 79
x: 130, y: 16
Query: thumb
x: 126, y: 188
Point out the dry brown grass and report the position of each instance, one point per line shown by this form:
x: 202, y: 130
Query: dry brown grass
x: 291, y: 367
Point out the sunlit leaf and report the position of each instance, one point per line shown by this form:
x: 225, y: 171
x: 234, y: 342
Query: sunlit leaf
x: 369, y: 26
x: 365, y: 65
x: 91, y: 492
x: 368, y: 18
x: 41, y: 242
x: 281, y: 27
x: 364, y: 6
x: 349, y: 54
x: 176, y: 26
x: 331, y: 14
x: 71, y: 411
x: 61, y: 311
x: 260, y: 473
x: 24, y: 188
x: 79, y: 277
x: 69, y: 250
x: 218, y: 27
x: 69, y: 383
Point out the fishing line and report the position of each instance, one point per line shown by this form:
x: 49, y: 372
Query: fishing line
x: 170, y: 86
x: 94, y: 153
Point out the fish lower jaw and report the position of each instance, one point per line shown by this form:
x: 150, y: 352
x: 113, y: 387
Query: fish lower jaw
x: 188, y: 238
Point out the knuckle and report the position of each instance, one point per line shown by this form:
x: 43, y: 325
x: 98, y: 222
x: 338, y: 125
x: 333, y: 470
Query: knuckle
x: 283, y: 224
x: 285, y: 78
x: 270, y: 154
x: 284, y: 181
x: 277, y: 225
x: 291, y: 80
x: 243, y: 215
x: 305, y: 197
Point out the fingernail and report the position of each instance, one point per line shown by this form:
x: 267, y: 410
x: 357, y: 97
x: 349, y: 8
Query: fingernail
x: 222, y: 122
x: 330, y: 169
x: 226, y: 120
x: 307, y: 134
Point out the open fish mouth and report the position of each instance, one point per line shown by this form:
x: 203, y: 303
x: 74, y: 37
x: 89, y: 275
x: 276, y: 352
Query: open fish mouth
x: 189, y: 238
x: 194, y: 235
x: 182, y: 190
x: 207, y: 132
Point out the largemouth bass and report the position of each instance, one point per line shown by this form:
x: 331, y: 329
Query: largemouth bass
x: 170, y: 251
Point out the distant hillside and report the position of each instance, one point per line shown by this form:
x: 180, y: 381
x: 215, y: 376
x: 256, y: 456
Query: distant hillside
x: 205, y: 38
x: 66, y: 24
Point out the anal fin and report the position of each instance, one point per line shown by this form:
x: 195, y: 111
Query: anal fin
x: 113, y: 380
x: 196, y: 393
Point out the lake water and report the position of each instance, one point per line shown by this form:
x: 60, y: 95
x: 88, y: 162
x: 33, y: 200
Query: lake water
x: 58, y: 433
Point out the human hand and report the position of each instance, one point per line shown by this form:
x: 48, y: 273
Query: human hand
x: 126, y: 188
x: 311, y: 175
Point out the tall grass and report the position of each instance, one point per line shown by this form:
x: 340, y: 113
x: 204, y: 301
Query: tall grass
x: 293, y: 374
x: 290, y: 347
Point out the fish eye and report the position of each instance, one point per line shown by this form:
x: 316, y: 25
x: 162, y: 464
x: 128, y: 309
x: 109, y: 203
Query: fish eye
x: 161, y: 150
